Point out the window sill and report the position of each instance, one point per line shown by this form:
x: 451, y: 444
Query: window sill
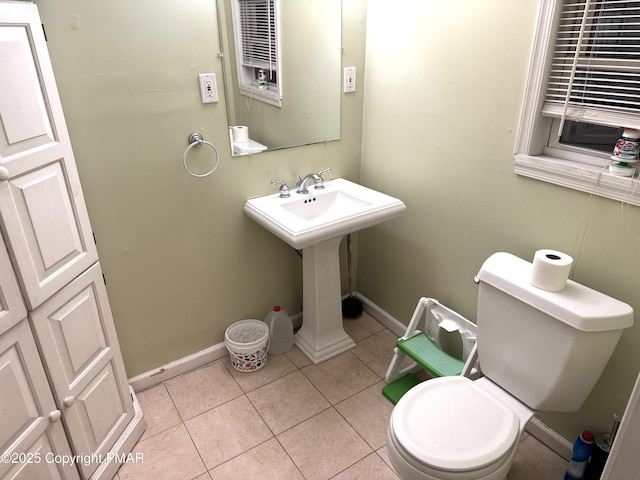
x: 579, y: 176
x: 266, y: 95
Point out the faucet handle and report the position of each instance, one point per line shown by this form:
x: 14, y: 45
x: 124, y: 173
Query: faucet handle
x: 326, y: 170
x: 319, y: 182
x: 284, y: 188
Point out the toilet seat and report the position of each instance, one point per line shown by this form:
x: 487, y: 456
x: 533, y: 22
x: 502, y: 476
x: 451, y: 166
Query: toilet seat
x: 451, y: 425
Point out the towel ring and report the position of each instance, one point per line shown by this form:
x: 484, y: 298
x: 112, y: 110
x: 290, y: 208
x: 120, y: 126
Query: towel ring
x: 195, y: 140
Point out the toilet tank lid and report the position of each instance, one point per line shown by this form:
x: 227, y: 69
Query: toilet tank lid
x: 577, y: 305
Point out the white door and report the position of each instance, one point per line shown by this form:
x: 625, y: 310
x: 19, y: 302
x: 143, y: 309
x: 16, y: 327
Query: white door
x: 31, y: 433
x: 42, y: 209
x: 12, y: 308
x: 81, y: 354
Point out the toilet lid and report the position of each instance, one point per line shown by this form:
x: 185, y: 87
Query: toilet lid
x: 452, y: 424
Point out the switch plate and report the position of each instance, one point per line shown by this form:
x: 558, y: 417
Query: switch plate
x: 349, y: 80
x: 208, y: 87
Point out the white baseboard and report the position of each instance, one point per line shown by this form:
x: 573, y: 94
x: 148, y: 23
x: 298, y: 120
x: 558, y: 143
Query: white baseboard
x: 535, y: 427
x: 550, y: 438
x: 185, y: 364
x: 382, y: 316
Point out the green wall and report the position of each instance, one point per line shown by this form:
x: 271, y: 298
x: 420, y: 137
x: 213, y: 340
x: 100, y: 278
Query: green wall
x: 444, y: 87
x: 182, y: 260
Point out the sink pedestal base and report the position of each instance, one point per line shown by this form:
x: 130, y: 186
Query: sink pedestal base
x: 322, y: 336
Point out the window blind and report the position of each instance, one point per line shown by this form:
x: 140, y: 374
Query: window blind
x: 595, y: 67
x: 258, y: 33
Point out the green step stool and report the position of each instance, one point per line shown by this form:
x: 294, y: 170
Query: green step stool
x: 422, y: 349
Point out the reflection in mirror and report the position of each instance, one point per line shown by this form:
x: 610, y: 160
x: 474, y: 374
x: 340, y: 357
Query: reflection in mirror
x: 288, y: 93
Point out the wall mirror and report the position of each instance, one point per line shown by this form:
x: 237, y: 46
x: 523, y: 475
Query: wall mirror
x: 283, y: 89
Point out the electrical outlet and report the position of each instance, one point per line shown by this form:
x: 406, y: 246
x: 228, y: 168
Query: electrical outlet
x: 349, y: 80
x: 208, y: 87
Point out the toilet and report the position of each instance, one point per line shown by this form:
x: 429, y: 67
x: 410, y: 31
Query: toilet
x: 538, y: 351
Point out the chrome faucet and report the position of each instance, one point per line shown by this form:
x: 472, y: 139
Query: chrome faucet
x: 302, y: 185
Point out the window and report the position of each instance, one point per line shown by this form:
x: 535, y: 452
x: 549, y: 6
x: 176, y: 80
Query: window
x: 583, y: 86
x: 256, y: 32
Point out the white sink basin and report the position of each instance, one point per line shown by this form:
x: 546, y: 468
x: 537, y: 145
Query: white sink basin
x: 315, y: 223
x: 341, y: 207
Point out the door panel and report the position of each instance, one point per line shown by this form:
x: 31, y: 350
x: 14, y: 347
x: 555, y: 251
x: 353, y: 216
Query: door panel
x: 80, y: 351
x: 12, y: 308
x: 25, y: 117
x: 42, y: 463
x: 31, y: 430
x: 44, y: 217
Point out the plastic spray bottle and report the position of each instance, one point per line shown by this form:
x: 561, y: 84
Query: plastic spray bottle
x: 581, y: 452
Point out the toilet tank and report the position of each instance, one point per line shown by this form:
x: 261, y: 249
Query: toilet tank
x: 547, y: 349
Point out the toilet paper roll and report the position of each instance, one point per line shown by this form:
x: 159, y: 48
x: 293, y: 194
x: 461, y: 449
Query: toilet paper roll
x: 550, y: 270
x: 240, y: 134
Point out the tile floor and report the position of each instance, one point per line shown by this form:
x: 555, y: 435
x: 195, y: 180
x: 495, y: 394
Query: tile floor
x: 289, y: 420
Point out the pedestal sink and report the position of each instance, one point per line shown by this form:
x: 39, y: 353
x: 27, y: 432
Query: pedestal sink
x: 315, y: 223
